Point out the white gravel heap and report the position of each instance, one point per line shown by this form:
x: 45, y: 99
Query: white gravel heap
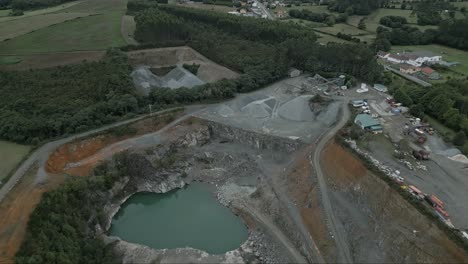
x: 297, y: 109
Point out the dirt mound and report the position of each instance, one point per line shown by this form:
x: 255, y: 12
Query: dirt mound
x: 460, y: 158
x: 297, y: 109
x: 76, y: 151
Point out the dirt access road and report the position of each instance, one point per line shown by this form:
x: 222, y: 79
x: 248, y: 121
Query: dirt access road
x: 41, y: 155
x: 335, y: 226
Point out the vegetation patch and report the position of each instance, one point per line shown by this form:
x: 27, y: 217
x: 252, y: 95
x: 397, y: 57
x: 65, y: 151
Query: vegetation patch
x: 193, y: 68
x: 7, y: 60
x: 161, y: 71
x: 12, y: 154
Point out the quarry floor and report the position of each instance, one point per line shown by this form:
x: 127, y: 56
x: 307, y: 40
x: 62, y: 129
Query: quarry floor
x: 286, y: 209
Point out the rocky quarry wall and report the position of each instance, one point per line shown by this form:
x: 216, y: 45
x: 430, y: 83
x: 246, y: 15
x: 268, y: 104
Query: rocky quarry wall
x: 254, y: 139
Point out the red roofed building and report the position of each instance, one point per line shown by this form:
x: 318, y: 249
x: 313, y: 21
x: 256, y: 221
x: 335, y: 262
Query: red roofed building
x: 430, y: 73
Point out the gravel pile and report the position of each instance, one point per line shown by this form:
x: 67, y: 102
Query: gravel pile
x: 257, y: 109
x: 297, y: 109
x: 178, y: 77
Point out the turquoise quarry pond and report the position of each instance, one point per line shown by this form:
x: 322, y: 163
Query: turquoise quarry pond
x: 188, y: 217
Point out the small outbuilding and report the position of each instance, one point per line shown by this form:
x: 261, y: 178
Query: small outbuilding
x: 368, y: 123
x: 380, y: 87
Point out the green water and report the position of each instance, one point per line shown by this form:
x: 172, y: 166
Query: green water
x: 189, y: 217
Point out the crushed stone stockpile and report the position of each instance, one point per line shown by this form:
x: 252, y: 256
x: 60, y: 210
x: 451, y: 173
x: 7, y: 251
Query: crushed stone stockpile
x: 257, y: 109
x: 225, y: 111
x: 144, y: 79
x: 297, y: 109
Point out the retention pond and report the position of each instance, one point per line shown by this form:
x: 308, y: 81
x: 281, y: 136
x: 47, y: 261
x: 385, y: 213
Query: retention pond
x: 188, y: 217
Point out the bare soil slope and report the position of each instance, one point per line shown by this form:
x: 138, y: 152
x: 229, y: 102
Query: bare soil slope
x: 381, y: 225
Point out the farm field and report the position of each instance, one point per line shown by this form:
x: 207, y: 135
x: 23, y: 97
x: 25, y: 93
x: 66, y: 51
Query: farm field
x: 449, y: 54
x: 97, y: 32
x: 11, y: 154
x: 40, y: 61
x: 20, y: 27
x: 4, y: 13
x: 372, y: 21
x: 94, y: 25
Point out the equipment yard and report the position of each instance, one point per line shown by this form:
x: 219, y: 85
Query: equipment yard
x: 442, y: 175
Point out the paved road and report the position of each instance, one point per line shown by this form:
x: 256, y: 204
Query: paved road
x: 334, y: 225
x: 41, y: 155
x: 409, y: 77
x: 265, y: 10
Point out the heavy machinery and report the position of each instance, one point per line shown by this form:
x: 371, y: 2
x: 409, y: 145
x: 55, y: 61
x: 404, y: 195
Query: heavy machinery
x: 421, y: 154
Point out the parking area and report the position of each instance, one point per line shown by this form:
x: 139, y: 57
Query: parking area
x: 418, y: 155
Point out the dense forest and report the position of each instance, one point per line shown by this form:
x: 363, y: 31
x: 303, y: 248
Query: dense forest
x: 447, y: 102
x: 451, y: 33
x: 356, y: 7
x: 62, y: 227
x: 46, y: 103
x: 257, y: 48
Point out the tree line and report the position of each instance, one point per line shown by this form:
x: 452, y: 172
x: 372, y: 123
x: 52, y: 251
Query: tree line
x: 450, y: 32
x: 356, y: 7
x: 446, y: 102
x: 325, y: 18
x: 393, y: 21
x: 30, y: 4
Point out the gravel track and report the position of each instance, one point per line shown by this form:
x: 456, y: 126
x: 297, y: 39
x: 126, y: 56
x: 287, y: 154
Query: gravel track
x: 335, y: 226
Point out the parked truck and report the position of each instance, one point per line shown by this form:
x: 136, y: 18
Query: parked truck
x: 421, y: 154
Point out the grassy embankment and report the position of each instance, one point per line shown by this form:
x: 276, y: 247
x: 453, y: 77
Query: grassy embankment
x: 11, y: 155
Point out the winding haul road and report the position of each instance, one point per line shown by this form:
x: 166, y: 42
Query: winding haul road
x: 334, y: 225
x: 41, y: 155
